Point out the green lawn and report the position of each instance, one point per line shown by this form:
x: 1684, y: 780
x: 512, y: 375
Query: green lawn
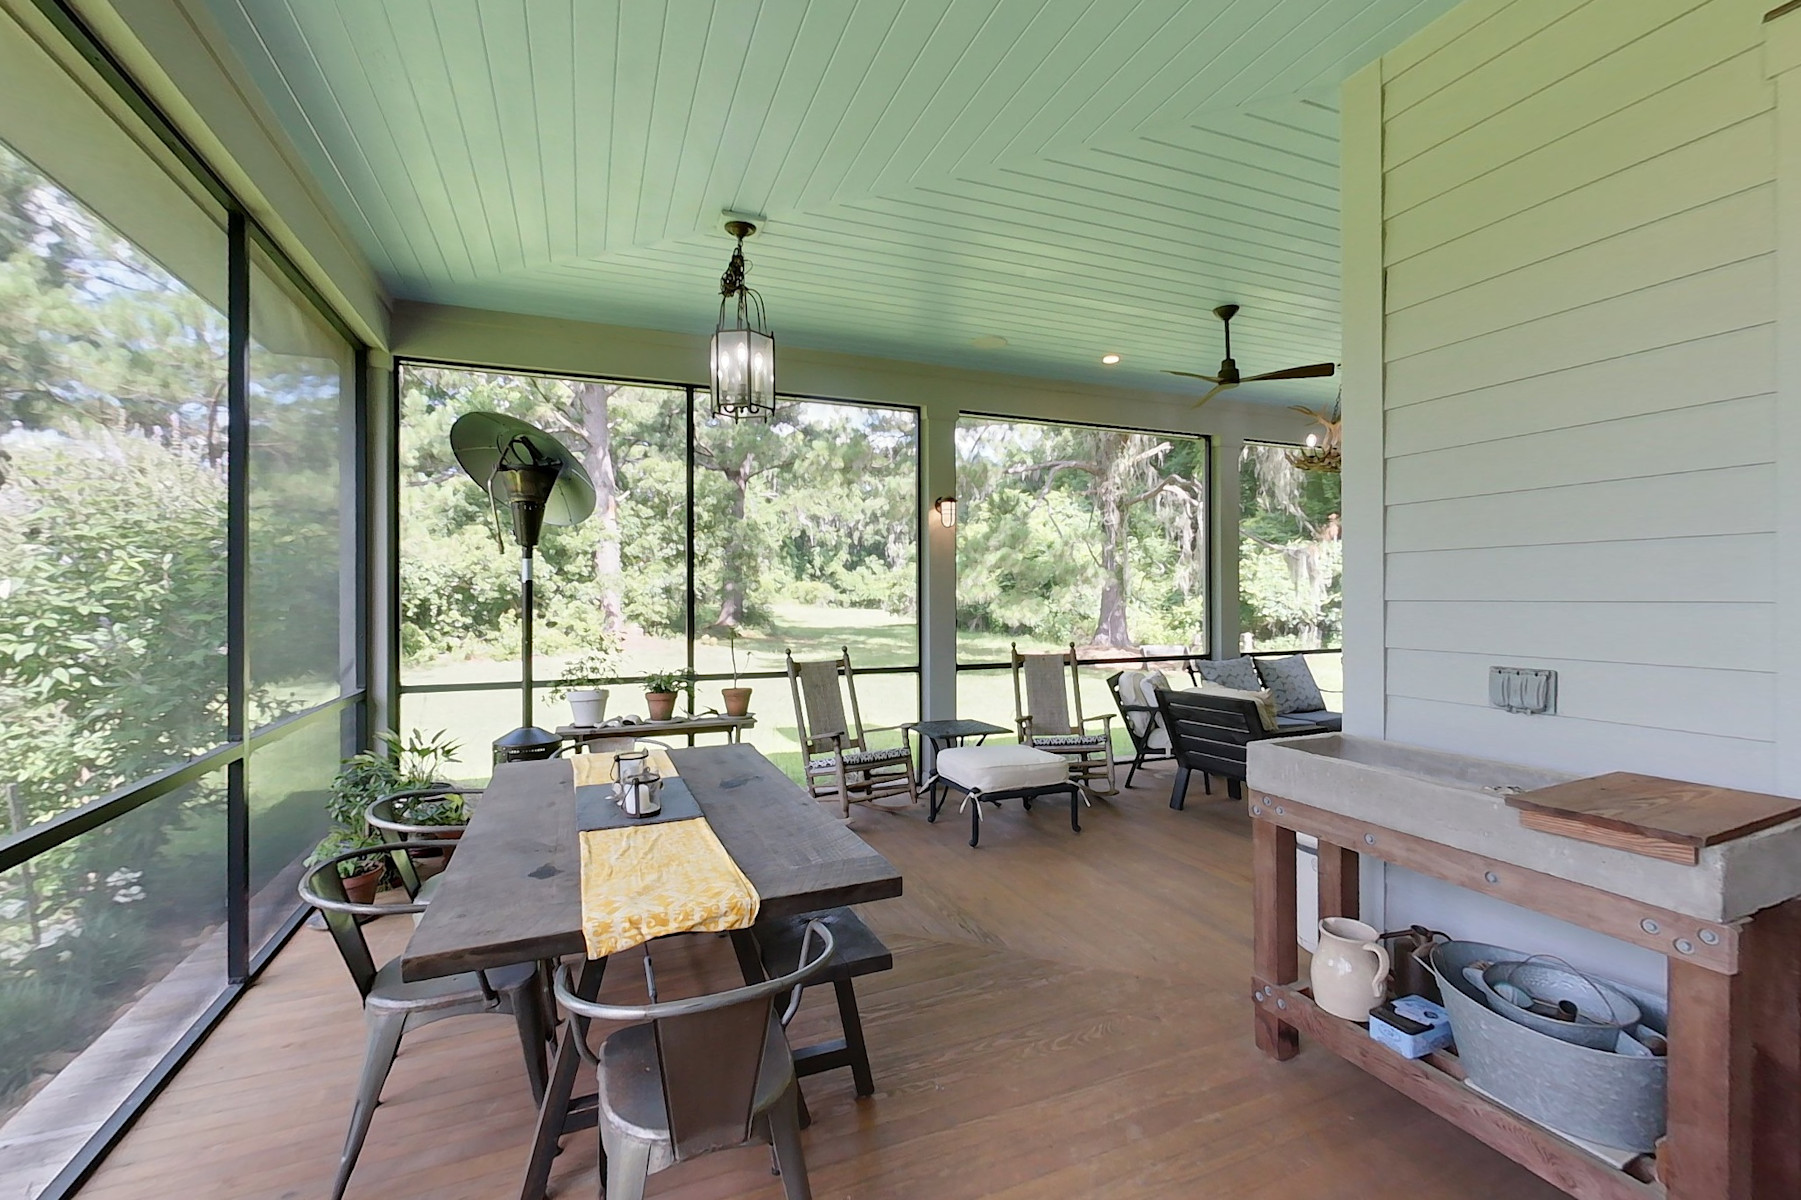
x: 875, y: 640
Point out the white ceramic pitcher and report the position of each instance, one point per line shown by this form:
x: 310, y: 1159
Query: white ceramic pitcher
x: 1350, y: 968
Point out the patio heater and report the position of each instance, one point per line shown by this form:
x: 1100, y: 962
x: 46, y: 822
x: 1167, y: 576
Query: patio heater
x: 536, y: 477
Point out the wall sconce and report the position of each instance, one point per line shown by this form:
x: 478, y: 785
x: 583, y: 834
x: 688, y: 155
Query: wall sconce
x: 946, y: 508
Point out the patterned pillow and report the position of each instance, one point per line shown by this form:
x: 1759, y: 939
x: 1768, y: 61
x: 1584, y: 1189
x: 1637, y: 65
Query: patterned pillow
x: 1292, y: 682
x: 1236, y: 673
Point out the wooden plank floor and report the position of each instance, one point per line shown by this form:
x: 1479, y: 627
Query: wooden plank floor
x: 1069, y: 1015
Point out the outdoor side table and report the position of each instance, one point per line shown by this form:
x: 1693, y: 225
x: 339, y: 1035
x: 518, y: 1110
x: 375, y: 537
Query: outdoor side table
x: 942, y: 735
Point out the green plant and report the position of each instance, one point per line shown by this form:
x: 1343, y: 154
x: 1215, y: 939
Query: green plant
x: 413, y: 761
x: 590, y: 669
x: 657, y: 682
x: 451, y: 808
x: 731, y: 641
x: 343, y: 841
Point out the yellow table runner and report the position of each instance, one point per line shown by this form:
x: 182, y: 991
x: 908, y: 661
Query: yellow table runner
x: 648, y: 881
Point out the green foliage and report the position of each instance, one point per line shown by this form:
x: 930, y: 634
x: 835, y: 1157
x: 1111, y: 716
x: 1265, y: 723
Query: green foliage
x: 345, y: 841
x: 409, y: 762
x: 667, y: 681
x: 1291, y: 560
x: 591, y: 668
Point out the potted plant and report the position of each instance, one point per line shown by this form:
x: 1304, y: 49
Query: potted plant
x: 580, y: 684
x: 660, y: 691
x: 362, y: 876
x: 362, y: 779
x: 737, y: 699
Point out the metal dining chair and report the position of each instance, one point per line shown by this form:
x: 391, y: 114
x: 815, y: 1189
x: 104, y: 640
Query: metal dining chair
x: 392, y: 815
x: 392, y: 1006
x: 702, y: 1074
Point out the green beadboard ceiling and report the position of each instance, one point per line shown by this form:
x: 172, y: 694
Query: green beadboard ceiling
x: 1078, y: 177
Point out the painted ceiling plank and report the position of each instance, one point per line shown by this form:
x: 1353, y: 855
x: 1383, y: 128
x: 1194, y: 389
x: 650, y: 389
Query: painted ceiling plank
x: 595, y: 44
x: 300, y: 90
x: 994, y: 53
x: 695, y: 63
x: 1189, y: 181
x: 823, y: 31
x: 637, y: 66
x: 420, y: 98
x: 902, y: 59
x: 487, y: 67
x: 550, y: 49
x: 752, y: 105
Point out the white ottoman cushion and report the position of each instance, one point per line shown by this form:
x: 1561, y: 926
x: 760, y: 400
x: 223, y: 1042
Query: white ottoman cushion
x: 1001, y: 768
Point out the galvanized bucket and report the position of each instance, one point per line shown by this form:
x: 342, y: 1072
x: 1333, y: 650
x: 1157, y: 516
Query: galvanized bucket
x: 1614, y: 1099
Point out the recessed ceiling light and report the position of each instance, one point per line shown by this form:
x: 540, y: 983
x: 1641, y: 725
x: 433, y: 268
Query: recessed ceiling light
x: 988, y: 341
x: 1109, y: 359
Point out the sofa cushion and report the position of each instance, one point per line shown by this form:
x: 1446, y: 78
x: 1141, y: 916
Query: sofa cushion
x: 1239, y: 673
x: 1001, y: 768
x: 1291, y: 679
x: 1158, y: 738
x: 1266, y: 704
x: 1320, y: 717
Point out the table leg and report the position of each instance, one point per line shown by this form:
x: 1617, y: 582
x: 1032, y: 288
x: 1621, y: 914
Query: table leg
x: 1735, y: 1069
x: 554, y: 1112
x: 1276, y: 958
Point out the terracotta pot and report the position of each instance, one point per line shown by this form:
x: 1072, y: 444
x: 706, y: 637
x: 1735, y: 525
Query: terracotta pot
x: 660, y: 704
x: 737, y: 701
x: 361, y: 889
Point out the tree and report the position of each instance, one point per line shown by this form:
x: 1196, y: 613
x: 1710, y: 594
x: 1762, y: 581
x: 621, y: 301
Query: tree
x: 1123, y: 470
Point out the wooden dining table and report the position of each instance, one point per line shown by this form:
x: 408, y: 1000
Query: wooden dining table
x: 512, y: 891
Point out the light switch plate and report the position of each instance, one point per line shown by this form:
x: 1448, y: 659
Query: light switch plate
x: 1522, y: 689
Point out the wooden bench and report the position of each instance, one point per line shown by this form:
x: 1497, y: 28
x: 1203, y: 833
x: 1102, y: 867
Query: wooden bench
x: 859, y: 952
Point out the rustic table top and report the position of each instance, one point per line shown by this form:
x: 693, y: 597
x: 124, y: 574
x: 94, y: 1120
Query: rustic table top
x: 512, y: 893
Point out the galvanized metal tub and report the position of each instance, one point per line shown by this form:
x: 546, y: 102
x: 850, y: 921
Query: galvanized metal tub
x: 1614, y: 1099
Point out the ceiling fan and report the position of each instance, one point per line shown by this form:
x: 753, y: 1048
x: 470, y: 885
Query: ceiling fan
x: 1229, y: 377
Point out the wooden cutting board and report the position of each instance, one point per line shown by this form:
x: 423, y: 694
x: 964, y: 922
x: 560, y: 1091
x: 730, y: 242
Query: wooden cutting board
x: 1659, y: 818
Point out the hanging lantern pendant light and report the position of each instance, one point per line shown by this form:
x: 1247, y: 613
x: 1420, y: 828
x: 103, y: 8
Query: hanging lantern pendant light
x: 743, y: 347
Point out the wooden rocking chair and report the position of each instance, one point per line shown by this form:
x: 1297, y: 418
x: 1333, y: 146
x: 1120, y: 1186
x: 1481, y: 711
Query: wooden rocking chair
x: 1041, y: 708
x: 839, y: 759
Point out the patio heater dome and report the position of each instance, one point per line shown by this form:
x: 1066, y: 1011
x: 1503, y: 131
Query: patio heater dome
x: 542, y: 483
x: 743, y: 349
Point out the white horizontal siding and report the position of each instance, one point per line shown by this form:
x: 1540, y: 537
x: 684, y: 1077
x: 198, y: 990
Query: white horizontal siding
x: 1734, y: 704
x: 1732, y: 637
x: 1712, y: 99
x: 1735, y: 569
x: 1724, y: 366
x: 1582, y: 747
x: 1730, y: 433
x: 1735, y: 500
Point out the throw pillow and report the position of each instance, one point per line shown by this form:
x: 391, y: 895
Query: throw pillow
x: 1238, y: 673
x: 1266, y: 704
x: 1291, y: 679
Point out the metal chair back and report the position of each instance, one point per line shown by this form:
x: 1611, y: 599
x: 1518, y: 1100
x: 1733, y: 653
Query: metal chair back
x: 1042, y: 687
x: 323, y: 888
x: 392, y: 814
x: 819, y: 711
x: 709, y: 1048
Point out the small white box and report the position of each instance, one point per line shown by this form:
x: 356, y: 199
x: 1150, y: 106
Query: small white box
x: 1411, y: 1026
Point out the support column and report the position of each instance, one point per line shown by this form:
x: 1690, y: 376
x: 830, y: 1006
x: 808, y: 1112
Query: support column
x: 1222, y: 492
x: 938, y: 567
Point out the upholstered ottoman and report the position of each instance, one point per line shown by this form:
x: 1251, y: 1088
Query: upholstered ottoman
x: 990, y: 774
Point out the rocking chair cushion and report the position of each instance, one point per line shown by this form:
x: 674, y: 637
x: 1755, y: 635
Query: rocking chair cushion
x: 1071, y: 741
x: 1001, y: 768
x: 856, y: 758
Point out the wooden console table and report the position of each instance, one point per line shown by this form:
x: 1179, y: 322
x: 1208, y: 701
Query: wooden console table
x: 1735, y: 1014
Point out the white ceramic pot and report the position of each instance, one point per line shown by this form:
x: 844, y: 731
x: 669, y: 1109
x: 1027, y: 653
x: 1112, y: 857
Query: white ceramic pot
x: 1350, y: 968
x: 587, y: 706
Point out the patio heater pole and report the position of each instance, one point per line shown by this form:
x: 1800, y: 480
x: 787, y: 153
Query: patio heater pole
x: 537, y: 478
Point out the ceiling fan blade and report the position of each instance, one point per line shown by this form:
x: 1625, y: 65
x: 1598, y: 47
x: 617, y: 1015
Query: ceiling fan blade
x: 1316, y: 371
x: 1192, y: 375
x: 1217, y: 389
